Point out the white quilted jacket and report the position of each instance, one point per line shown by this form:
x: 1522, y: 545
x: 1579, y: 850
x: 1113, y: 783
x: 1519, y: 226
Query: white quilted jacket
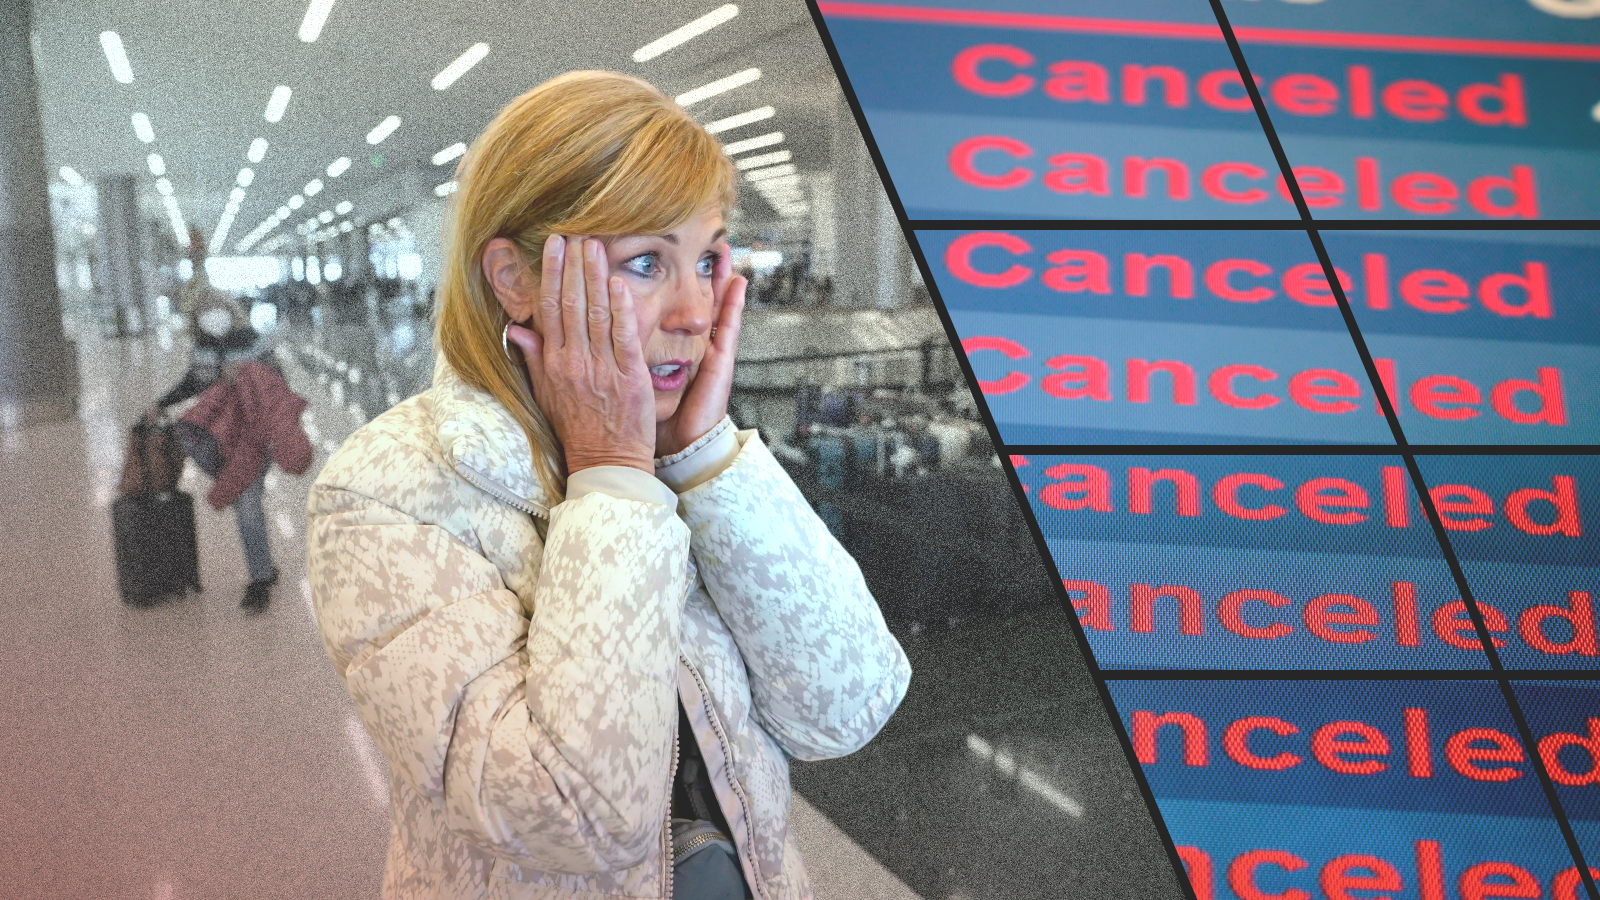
x: 519, y: 660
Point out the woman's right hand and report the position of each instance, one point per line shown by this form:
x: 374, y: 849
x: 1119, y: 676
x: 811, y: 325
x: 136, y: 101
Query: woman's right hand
x: 585, y: 363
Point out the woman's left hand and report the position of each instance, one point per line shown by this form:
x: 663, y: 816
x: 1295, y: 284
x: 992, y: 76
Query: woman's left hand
x: 706, y: 400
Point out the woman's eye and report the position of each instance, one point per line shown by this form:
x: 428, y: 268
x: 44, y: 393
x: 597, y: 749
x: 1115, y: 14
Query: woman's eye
x: 707, y: 266
x: 644, y: 265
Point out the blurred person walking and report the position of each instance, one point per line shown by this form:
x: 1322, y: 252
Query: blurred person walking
x: 244, y: 419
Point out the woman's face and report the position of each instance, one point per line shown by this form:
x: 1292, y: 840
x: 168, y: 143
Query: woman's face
x: 670, y: 278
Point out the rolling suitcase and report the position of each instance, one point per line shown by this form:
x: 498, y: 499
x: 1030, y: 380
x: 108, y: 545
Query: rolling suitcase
x: 155, y: 544
x: 153, y: 522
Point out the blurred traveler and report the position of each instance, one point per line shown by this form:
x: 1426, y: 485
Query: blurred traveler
x: 587, y: 621
x: 245, y: 417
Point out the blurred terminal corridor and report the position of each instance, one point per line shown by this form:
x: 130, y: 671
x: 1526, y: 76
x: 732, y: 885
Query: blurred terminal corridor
x: 189, y: 749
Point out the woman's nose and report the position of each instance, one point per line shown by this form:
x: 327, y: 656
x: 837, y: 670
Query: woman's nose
x: 688, y: 307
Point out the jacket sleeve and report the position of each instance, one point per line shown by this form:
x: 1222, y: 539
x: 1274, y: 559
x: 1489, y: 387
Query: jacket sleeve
x: 825, y: 673
x: 194, y: 381
x: 542, y: 724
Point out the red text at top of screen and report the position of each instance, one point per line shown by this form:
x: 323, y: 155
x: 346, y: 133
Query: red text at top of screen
x: 1000, y: 71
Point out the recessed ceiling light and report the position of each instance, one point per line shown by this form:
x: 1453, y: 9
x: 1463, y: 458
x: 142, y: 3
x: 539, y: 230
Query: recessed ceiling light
x: 164, y: 187
x: 744, y: 118
x: 258, y: 149
x: 720, y: 86
x: 316, y: 17
x: 445, y: 189
x: 343, y: 207
x: 346, y: 226
x: 158, y: 166
x: 236, y: 194
x: 383, y: 129
x: 449, y: 153
x: 455, y: 70
x: 116, y: 56
x: 71, y: 176
x: 337, y: 167
x: 764, y: 159
x: 278, y: 102
x: 755, y: 143
x: 772, y: 172
x: 296, y: 202
x: 325, y: 216
x: 687, y: 33
x: 141, y: 127
x: 313, y: 187
x: 246, y: 175
x: 283, y: 213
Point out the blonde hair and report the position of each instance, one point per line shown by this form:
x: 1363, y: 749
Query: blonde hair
x: 585, y: 153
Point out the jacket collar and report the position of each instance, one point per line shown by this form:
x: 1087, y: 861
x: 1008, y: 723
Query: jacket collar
x: 484, y: 444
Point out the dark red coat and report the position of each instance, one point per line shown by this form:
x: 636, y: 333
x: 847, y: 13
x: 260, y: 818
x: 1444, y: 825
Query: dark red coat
x: 253, y: 416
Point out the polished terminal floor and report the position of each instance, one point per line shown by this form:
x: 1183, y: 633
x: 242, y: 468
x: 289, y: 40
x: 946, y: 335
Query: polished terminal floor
x: 190, y: 750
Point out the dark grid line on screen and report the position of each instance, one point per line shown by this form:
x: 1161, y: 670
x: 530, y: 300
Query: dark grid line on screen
x: 1474, y: 613
x: 893, y: 195
x: 1100, y: 676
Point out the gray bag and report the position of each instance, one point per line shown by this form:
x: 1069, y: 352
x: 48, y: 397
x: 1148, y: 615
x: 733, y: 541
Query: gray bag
x: 704, y: 864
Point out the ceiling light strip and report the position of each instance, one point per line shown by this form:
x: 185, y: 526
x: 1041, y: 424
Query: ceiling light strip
x: 679, y: 36
x: 449, y: 153
x: 764, y: 159
x: 755, y: 143
x: 278, y: 103
x: 141, y: 127
x: 382, y: 130
x: 316, y: 17
x: 720, y: 86
x: 455, y: 70
x: 744, y: 118
x: 116, y: 56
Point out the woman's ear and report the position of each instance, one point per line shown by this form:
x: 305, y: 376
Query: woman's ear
x: 510, y: 279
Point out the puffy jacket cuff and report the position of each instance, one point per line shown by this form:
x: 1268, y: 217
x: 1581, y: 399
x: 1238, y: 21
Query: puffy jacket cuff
x: 622, y: 482
x: 704, y: 460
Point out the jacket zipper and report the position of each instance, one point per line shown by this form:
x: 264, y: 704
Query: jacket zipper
x: 727, y: 754
x: 697, y: 841
x: 666, y: 825
x: 494, y: 491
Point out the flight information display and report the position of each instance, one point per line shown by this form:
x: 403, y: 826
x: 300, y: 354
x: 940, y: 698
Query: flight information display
x: 1522, y: 528
x: 1144, y: 336
x: 1567, y: 715
x: 1353, y: 654
x: 1430, y: 109
x: 1250, y: 562
x: 1420, y: 790
x: 1486, y: 337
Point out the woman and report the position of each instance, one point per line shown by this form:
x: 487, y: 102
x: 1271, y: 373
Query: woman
x: 224, y: 340
x: 587, y: 621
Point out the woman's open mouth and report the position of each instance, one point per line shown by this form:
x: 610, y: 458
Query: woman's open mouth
x: 670, y: 375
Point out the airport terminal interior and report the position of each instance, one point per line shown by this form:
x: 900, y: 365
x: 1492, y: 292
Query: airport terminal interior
x: 300, y: 158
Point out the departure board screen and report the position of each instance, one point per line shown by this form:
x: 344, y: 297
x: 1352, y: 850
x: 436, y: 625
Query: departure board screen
x: 1081, y: 109
x: 1433, y: 108
x: 1321, y: 498
x: 1417, y: 790
x: 1143, y: 336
